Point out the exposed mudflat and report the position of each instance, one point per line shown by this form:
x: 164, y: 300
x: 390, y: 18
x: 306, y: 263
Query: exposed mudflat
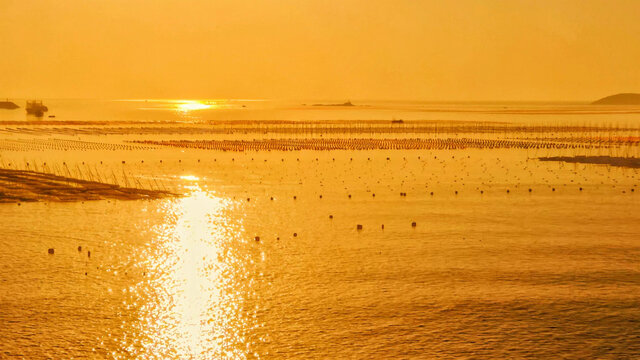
x: 30, y: 186
x: 630, y: 162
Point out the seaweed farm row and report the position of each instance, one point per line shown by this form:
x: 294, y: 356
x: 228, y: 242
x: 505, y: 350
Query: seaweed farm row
x: 291, y: 144
x: 329, y: 127
x: 324, y: 144
x: 64, y: 145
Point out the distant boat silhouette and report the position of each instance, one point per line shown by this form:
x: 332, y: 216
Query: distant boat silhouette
x: 35, y: 107
x: 348, y: 103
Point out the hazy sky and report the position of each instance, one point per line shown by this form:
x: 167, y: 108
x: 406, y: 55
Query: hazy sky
x: 295, y: 49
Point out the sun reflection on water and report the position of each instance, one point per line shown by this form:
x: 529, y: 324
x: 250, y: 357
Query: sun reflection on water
x: 195, y: 288
x: 190, y: 105
x: 189, y: 178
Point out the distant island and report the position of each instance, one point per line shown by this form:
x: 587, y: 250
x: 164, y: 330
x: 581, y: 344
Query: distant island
x: 348, y: 103
x: 8, y: 105
x: 619, y: 99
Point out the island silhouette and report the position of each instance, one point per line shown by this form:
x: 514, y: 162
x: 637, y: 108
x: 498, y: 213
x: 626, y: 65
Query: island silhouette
x: 347, y: 103
x: 619, y: 99
x: 8, y: 105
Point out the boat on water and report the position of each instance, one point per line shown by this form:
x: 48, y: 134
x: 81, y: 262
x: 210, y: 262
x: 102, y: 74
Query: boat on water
x: 36, y: 107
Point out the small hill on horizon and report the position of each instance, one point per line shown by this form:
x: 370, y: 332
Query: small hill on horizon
x: 619, y: 99
x: 8, y: 105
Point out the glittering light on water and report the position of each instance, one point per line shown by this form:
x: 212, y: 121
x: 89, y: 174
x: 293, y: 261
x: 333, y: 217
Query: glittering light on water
x: 195, y: 292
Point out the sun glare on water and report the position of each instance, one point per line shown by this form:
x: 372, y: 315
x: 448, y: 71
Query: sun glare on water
x: 191, y: 105
x: 193, y: 294
x: 189, y: 178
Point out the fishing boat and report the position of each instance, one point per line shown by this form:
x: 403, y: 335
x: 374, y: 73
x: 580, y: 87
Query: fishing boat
x: 35, y: 107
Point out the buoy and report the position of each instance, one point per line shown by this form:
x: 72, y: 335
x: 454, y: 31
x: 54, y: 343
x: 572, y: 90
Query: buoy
x: 51, y: 251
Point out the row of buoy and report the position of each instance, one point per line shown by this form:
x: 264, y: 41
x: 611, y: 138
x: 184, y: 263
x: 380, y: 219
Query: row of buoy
x: 257, y: 238
x: 52, y: 251
x: 266, y: 160
x: 358, y: 227
x: 456, y: 192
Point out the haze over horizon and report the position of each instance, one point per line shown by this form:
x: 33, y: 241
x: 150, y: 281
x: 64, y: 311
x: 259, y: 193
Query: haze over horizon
x: 465, y: 50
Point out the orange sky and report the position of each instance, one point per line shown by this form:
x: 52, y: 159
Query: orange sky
x: 465, y: 50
